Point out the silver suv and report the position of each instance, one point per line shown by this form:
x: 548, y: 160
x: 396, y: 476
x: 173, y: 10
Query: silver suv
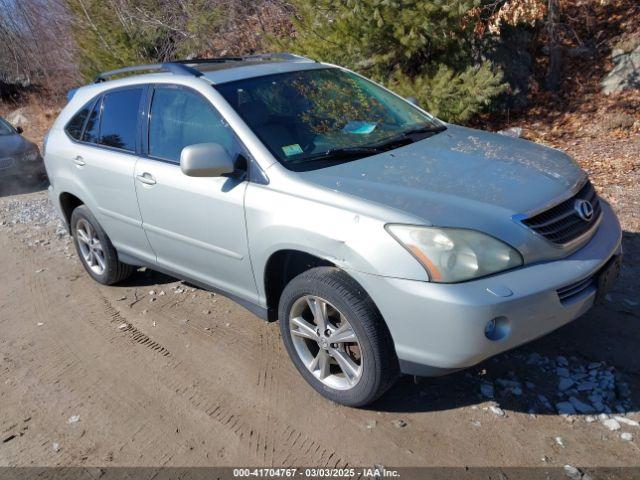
x: 384, y: 240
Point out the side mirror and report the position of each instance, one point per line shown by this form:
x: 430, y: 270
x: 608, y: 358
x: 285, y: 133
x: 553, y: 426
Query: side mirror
x: 19, y: 130
x: 205, y: 160
x: 413, y: 101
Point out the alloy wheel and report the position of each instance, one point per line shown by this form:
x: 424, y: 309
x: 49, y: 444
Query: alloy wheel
x: 90, y: 247
x: 325, y: 342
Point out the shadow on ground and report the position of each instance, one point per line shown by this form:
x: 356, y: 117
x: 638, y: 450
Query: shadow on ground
x: 18, y: 186
x: 590, y: 366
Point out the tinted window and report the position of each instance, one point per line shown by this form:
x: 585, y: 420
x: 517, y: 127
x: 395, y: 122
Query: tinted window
x: 119, y: 119
x: 180, y: 118
x: 93, y: 124
x: 74, y: 127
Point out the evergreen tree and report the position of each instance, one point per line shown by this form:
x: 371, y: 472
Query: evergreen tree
x: 418, y: 48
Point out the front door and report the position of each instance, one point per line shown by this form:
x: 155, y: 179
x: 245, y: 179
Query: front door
x: 196, y: 226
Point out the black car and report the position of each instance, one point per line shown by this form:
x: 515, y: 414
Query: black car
x: 19, y: 158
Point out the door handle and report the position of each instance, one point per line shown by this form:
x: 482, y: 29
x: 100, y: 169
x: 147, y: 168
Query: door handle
x: 79, y: 161
x: 146, y: 178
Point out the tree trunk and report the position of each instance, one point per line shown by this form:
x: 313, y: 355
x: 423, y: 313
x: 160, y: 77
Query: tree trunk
x: 554, y: 69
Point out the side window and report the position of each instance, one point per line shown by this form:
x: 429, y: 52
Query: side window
x: 75, y: 125
x: 179, y: 118
x: 93, y: 124
x: 119, y: 119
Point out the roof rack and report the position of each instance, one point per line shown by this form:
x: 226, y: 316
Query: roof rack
x: 281, y: 57
x: 181, y: 67
x: 171, y: 67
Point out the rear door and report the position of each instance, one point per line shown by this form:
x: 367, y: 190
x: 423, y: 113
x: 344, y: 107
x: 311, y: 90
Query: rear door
x: 105, y: 155
x: 196, y: 226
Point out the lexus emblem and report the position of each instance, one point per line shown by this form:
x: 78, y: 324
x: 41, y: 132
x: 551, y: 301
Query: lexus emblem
x: 584, y: 209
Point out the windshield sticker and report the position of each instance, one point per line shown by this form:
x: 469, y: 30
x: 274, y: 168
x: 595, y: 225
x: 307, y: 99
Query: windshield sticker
x: 362, y: 128
x: 290, y: 150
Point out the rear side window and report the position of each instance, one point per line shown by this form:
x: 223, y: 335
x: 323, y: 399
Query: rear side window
x: 93, y: 124
x: 119, y: 119
x: 180, y: 118
x: 75, y: 125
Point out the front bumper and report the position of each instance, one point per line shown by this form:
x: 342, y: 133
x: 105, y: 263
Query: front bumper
x: 438, y: 328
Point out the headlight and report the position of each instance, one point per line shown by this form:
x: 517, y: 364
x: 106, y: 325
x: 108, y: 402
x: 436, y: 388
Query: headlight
x: 452, y: 255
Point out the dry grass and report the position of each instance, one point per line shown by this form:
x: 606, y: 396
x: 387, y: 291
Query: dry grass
x: 39, y: 112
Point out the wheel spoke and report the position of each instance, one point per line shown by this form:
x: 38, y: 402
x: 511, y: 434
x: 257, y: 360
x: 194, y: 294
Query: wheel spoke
x: 82, y: 236
x: 346, y: 364
x: 305, y: 329
x: 98, y: 255
x: 319, y: 309
x: 321, y: 363
x: 344, y: 334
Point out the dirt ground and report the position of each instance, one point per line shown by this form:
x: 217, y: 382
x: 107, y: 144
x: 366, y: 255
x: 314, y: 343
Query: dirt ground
x: 157, y: 373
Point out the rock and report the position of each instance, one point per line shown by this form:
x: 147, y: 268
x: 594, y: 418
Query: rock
x: 564, y: 384
x: 152, y: 292
x: 73, y: 419
x: 581, y: 406
x: 371, y: 424
x: 589, y: 419
x: 122, y: 326
x: 514, y: 132
x: 55, y: 446
x: 627, y: 421
x: 399, y: 423
x: 565, y: 408
x: 476, y: 423
x: 626, y: 436
x: 612, y: 424
x: 486, y: 389
x: 18, y: 118
x: 625, y: 74
x: 497, y: 411
x: 559, y: 441
x: 572, y: 472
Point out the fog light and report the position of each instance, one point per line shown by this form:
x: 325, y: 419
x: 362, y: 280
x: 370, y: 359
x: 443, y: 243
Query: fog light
x: 497, y: 328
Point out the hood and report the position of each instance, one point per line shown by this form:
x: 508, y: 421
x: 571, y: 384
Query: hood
x: 456, y: 174
x: 12, y: 145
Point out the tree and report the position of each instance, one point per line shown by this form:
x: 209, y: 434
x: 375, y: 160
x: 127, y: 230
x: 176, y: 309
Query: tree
x: 420, y: 49
x: 115, y: 33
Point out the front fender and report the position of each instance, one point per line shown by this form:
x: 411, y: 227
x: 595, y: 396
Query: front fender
x: 350, y: 240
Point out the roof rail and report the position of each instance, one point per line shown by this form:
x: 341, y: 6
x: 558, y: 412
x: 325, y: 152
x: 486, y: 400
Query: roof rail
x: 172, y: 67
x: 181, y: 67
x: 287, y: 57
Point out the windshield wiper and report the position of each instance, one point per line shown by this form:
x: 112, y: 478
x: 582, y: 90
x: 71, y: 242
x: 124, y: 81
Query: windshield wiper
x: 350, y: 153
x: 406, y: 137
x: 337, y: 154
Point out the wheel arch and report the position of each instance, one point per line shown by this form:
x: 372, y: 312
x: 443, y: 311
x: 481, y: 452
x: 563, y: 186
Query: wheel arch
x: 281, y: 267
x: 68, y: 203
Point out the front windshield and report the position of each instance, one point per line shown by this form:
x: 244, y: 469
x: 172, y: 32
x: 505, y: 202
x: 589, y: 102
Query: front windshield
x: 324, y: 114
x: 5, y: 128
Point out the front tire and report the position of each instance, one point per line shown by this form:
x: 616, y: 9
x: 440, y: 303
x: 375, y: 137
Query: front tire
x: 336, y: 337
x: 98, y: 256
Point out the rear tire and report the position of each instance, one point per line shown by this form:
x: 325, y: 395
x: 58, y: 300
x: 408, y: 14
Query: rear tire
x: 97, y: 254
x: 353, y: 360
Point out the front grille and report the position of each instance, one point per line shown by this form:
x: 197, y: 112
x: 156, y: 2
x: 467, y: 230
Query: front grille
x: 571, y: 291
x: 561, y: 224
x: 6, y: 162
